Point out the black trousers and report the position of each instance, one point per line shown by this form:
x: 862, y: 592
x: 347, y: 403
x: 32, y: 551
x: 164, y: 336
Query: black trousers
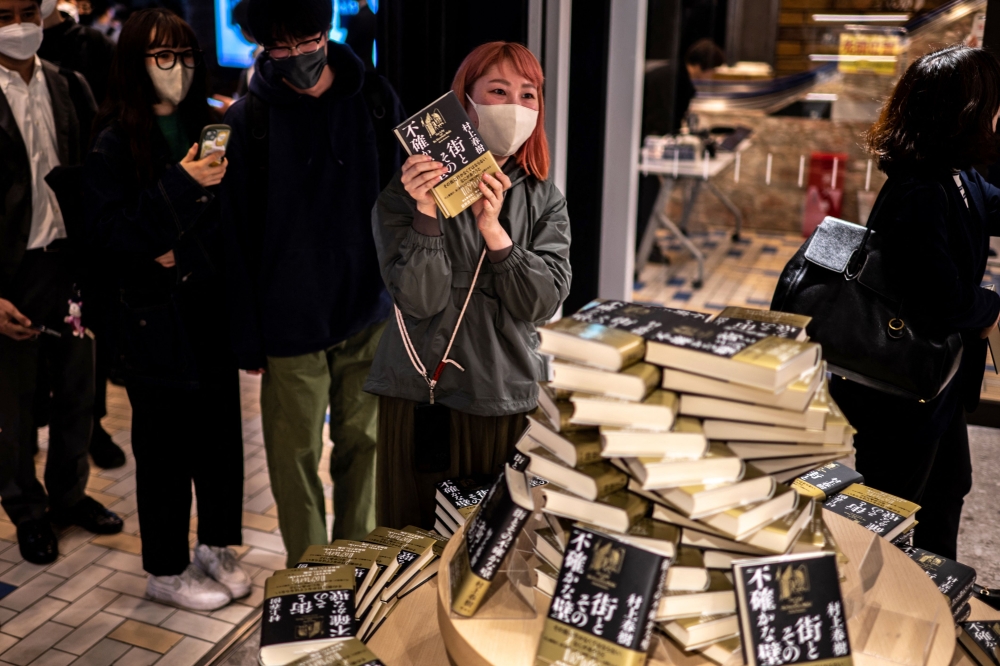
x: 41, y: 289
x: 180, y: 436
x: 919, y: 452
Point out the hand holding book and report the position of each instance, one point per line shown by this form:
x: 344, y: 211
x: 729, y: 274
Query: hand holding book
x: 487, y: 210
x: 420, y: 174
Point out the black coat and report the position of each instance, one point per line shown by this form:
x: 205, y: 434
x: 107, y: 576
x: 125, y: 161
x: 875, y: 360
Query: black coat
x: 81, y: 49
x: 172, y: 322
x: 936, y: 248
x: 73, y: 110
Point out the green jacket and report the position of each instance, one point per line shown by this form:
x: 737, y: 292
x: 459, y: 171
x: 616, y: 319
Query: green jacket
x: 429, y: 277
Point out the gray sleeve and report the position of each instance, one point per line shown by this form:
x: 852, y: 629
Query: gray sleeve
x: 533, y: 281
x: 415, y: 268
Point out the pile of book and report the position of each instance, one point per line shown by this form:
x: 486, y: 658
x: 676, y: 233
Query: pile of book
x: 457, y: 499
x: 343, y: 590
x: 686, y: 434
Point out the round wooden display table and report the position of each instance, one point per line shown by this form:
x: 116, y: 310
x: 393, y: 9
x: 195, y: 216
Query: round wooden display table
x: 902, y: 603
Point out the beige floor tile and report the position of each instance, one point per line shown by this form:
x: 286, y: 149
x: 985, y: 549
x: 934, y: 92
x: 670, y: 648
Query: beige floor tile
x: 104, y: 498
x: 261, y: 576
x: 195, y: 625
x: 256, y: 597
x: 22, y: 573
x: 54, y: 658
x: 240, y: 550
x: 32, y: 591
x: 89, y: 633
x: 146, y: 636
x: 272, y: 511
x: 8, y: 532
x: 254, y: 484
x: 5, y: 642
x: 264, y: 541
x: 260, y: 502
x: 6, y: 615
x: 77, y: 560
x: 127, y: 584
x: 185, y: 653
x: 126, y: 542
x: 98, y: 483
x: 122, y: 488
x: 137, y: 657
x: 143, y: 610
x: 103, y: 654
x: 235, y: 613
x: 85, y: 607
x: 125, y: 506
x: 33, y: 617
x: 30, y: 648
x: 122, y: 561
x: 264, y: 559
x: 9, y: 551
x: 259, y: 522
x: 131, y: 525
x: 81, y: 583
x: 73, y: 538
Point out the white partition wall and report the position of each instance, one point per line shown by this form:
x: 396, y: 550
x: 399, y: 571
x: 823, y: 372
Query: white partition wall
x: 626, y: 54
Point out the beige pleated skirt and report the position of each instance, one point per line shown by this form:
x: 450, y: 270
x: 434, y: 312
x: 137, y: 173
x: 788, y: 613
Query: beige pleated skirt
x: 480, y: 445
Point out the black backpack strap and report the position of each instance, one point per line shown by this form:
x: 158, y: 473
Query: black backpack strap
x: 258, y: 150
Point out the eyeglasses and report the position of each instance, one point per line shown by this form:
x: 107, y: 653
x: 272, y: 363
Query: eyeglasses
x: 303, y: 48
x: 168, y: 59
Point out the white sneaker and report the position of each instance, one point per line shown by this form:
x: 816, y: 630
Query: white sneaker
x: 191, y: 589
x: 220, y: 563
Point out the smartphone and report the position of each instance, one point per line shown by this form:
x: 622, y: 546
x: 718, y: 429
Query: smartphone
x: 46, y: 330
x: 215, y: 103
x: 214, y: 139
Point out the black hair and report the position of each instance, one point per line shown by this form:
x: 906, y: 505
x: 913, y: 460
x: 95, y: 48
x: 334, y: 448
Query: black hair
x: 131, y: 95
x: 939, y: 116
x: 705, y: 54
x: 274, y: 20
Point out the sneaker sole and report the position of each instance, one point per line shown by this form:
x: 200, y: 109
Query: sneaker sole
x: 176, y: 604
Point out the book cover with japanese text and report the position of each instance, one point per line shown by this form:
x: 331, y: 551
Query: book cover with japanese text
x: 443, y: 130
x: 791, y: 611
x: 605, y: 599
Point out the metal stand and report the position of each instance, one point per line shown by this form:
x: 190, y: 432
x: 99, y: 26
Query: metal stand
x: 658, y: 218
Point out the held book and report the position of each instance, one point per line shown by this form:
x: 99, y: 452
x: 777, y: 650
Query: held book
x: 685, y: 441
x: 601, y: 610
x: 982, y: 640
x: 953, y: 579
x: 655, y: 413
x: 486, y: 543
x: 349, y: 652
x: 443, y: 131
x: 460, y: 497
x: 827, y: 480
x: 306, y: 610
x: 879, y: 512
x: 790, y: 606
x: 591, y: 344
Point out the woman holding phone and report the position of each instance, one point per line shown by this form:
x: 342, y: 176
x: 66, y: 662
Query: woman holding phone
x: 151, y: 205
x: 469, y: 292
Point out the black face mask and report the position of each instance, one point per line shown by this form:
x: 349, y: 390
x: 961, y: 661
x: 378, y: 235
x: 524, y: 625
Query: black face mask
x: 302, y: 71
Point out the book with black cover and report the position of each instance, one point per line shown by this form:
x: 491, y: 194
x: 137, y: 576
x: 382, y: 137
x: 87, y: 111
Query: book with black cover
x: 791, y: 611
x: 826, y: 481
x: 769, y: 322
x: 953, y: 579
x: 487, y: 541
x: 982, y: 640
x: 879, y: 512
x: 306, y: 610
x: 416, y: 551
x: 444, y: 131
x: 601, y: 613
x: 350, y: 652
x: 636, y: 318
x: 368, y: 559
x: 460, y: 497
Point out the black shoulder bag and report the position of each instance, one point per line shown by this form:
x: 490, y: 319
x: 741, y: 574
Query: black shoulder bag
x: 869, y: 336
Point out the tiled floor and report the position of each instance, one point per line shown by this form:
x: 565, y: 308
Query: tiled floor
x: 87, y: 608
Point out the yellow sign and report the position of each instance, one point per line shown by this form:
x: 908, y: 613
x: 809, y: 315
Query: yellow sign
x: 869, y: 52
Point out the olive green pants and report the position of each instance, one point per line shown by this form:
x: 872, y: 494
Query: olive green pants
x: 295, y: 392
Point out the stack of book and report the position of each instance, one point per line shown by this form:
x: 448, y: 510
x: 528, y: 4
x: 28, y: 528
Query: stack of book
x: 682, y: 429
x: 457, y: 499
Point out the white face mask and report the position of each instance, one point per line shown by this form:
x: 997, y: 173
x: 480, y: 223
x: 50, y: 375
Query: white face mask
x: 48, y: 6
x: 504, y: 127
x: 172, y: 84
x: 20, y: 41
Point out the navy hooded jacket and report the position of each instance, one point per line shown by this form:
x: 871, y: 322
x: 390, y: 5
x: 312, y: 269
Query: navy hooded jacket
x: 318, y: 282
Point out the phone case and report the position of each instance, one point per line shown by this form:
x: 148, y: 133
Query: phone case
x: 214, y: 139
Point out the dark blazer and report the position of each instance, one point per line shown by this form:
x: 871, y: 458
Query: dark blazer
x: 73, y: 110
x: 937, y: 248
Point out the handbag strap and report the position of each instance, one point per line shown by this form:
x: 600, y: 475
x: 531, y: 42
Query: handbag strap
x: 411, y: 350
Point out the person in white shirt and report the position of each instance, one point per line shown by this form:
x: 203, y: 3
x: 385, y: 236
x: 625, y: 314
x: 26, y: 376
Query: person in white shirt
x: 45, y: 114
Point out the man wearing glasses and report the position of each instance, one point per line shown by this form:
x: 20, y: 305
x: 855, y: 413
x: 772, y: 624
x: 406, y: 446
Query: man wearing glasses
x: 308, y: 301
x: 44, y: 116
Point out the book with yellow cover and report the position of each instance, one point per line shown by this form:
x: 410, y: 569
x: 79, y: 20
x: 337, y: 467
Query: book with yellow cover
x: 685, y: 441
x: 443, y: 131
x: 698, y: 501
x: 591, y: 344
x: 368, y: 559
x: 717, y: 598
x: 779, y: 535
x: 349, y: 652
x: 742, y: 521
x: 656, y: 412
x: 617, y: 511
x: 719, y: 466
x: 769, y: 322
x: 633, y: 383
x: 573, y: 448
x: 692, y: 633
x: 688, y: 572
x: 877, y: 511
x: 588, y: 481
x: 795, y: 397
